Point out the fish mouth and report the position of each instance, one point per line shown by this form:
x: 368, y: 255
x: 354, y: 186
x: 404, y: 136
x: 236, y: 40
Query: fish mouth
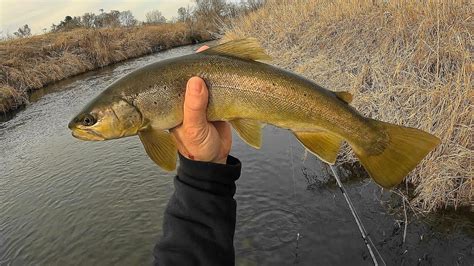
x: 83, y: 134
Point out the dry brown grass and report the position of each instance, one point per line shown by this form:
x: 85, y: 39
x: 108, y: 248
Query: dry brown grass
x: 31, y: 63
x: 406, y: 62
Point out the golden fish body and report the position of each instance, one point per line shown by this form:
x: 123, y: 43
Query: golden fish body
x: 247, y: 93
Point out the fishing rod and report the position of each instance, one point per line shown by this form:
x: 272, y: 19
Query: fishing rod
x: 367, y: 240
x: 365, y: 236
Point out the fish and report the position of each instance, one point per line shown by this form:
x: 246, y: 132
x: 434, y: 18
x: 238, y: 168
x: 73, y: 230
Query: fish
x: 248, y: 93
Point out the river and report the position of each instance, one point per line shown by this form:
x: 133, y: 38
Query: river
x: 65, y: 202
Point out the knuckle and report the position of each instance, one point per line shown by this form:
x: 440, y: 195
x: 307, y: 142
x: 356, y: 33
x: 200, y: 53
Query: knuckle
x: 195, y: 105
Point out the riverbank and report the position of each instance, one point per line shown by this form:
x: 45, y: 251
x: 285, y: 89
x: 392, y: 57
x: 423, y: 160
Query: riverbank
x: 406, y: 63
x: 30, y: 63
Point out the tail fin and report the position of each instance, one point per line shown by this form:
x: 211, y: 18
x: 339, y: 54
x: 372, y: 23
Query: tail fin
x: 405, y: 148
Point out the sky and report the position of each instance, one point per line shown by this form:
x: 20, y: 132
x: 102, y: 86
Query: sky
x: 40, y: 14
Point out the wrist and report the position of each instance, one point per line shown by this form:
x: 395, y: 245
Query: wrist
x: 218, y: 160
x: 210, y: 176
x: 221, y: 160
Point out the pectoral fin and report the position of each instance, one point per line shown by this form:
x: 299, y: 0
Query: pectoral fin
x: 323, y: 144
x: 249, y: 130
x: 160, y: 147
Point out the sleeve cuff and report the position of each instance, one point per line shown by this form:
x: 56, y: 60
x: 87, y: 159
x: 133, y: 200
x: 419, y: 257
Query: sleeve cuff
x: 215, y: 178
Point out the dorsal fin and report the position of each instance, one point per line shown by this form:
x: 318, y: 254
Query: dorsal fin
x: 248, y: 48
x: 344, y: 95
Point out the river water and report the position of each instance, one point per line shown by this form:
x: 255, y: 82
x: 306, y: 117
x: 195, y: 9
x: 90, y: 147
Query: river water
x: 64, y: 201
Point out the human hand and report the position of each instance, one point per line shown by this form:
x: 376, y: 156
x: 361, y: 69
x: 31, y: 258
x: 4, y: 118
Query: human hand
x: 196, y: 138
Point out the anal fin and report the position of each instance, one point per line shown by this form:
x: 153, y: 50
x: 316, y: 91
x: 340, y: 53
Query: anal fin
x: 160, y: 147
x: 323, y: 144
x: 249, y: 130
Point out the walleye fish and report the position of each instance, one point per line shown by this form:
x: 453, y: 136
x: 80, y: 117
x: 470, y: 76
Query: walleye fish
x: 248, y: 93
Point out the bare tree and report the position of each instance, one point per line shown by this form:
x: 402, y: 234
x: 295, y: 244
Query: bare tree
x: 112, y: 19
x: 24, y: 31
x: 184, y: 14
x: 88, y: 20
x: 155, y: 17
x: 210, y: 8
x: 67, y: 24
x: 127, y: 19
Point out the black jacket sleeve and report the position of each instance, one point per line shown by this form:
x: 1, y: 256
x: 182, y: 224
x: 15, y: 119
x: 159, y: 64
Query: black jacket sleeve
x: 199, y: 221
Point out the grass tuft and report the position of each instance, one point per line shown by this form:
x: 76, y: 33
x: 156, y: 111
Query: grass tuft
x: 406, y: 62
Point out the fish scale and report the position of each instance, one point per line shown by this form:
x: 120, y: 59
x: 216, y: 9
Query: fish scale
x: 149, y: 102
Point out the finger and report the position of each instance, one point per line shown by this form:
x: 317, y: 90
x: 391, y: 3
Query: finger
x: 223, y: 128
x: 225, y: 132
x: 202, y: 48
x: 195, y: 104
x: 177, y: 134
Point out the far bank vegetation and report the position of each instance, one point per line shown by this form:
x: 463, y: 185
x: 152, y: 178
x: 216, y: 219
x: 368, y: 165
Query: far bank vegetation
x: 82, y: 43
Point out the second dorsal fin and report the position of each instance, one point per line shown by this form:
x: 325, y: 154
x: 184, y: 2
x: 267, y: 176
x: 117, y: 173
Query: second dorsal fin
x: 248, y: 48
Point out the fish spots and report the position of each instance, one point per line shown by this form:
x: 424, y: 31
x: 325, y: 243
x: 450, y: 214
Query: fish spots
x: 155, y: 103
x: 304, y: 94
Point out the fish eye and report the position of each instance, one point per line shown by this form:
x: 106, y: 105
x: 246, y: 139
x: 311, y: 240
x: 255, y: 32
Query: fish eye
x: 88, y: 120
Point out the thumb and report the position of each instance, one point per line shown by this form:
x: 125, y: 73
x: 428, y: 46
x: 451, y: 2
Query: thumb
x: 195, y: 104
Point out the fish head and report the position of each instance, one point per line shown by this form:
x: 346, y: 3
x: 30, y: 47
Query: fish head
x: 106, y: 118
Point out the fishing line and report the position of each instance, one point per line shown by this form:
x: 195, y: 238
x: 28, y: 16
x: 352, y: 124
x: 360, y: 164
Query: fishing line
x: 292, y: 166
x: 367, y: 240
